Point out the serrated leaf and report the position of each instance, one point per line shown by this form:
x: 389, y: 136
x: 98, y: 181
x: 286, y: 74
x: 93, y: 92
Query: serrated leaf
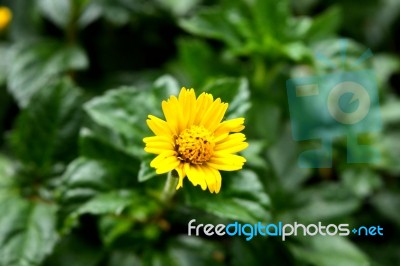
x: 101, y: 144
x: 47, y: 131
x: 85, y: 178
x: 35, y: 64
x: 112, y: 202
x: 27, y: 232
x: 251, y: 27
x: 124, y: 112
x: 212, y: 23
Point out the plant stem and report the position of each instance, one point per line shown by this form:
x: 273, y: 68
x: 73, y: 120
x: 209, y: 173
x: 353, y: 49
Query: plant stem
x: 72, y: 24
x: 169, y: 188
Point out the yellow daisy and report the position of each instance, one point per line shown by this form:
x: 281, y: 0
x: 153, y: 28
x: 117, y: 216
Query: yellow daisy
x: 5, y: 17
x: 193, y: 141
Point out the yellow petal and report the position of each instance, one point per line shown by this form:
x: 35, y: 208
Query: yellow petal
x: 158, y: 144
x: 204, y: 102
x: 168, y: 165
x: 155, y: 163
x: 232, y: 125
x: 171, y: 111
x: 187, y: 102
x: 156, y: 139
x: 213, y: 116
x: 209, y: 111
x: 195, y: 176
x: 233, y: 158
x: 236, y: 148
x: 213, y: 178
x: 182, y: 175
x: 158, y: 126
x: 218, y: 179
x: 225, y: 165
x: 230, y: 141
x: 154, y: 150
x: 220, y: 137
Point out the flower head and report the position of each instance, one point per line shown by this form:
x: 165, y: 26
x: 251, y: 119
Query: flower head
x: 193, y: 141
x: 5, y: 17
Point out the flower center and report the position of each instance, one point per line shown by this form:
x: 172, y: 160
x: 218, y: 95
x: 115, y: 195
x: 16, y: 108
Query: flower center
x: 195, y: 145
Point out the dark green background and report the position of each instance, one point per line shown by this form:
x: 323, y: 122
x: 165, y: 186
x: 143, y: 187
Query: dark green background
x: 79, y: 77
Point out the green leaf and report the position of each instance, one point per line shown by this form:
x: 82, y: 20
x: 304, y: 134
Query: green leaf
x: 213, y: 23
x: 271, y: 20
x: 102, y: 144
x: 362, y: 181
x: 7, y: 169
x: 325, y: 24
x: 62, y: 13
x: 100, y: 187
x: 46, y: 132
x: 328, y: 251
x: 27, y: 232
x: 179, y: 8
x: 387, y: 203
x: 285, y: 164
x: 57, y: 11
x: 145, y: 171
x: 4, y: 64
x: 384, y: 66
x: 135, y: 223
x: 322, y: 202
x: 35, y: 64
x: 297, y: 51
x: 234, y: 91
x: 111, y: 202
x: 124, y: 112
x: 253, y: 154
x: 242, y: 197
x: 85, y: 178
x: 389, y: 146
x: 197, y: 61
x: 247, y: 28
x: 390, y: 111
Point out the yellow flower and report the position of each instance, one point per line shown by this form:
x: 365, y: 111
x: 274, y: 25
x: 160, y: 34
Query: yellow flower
x: 193, y: 141
x: 5, y: 17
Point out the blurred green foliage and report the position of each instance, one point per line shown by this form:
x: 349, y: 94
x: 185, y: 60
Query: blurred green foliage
x: 79, y: 77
